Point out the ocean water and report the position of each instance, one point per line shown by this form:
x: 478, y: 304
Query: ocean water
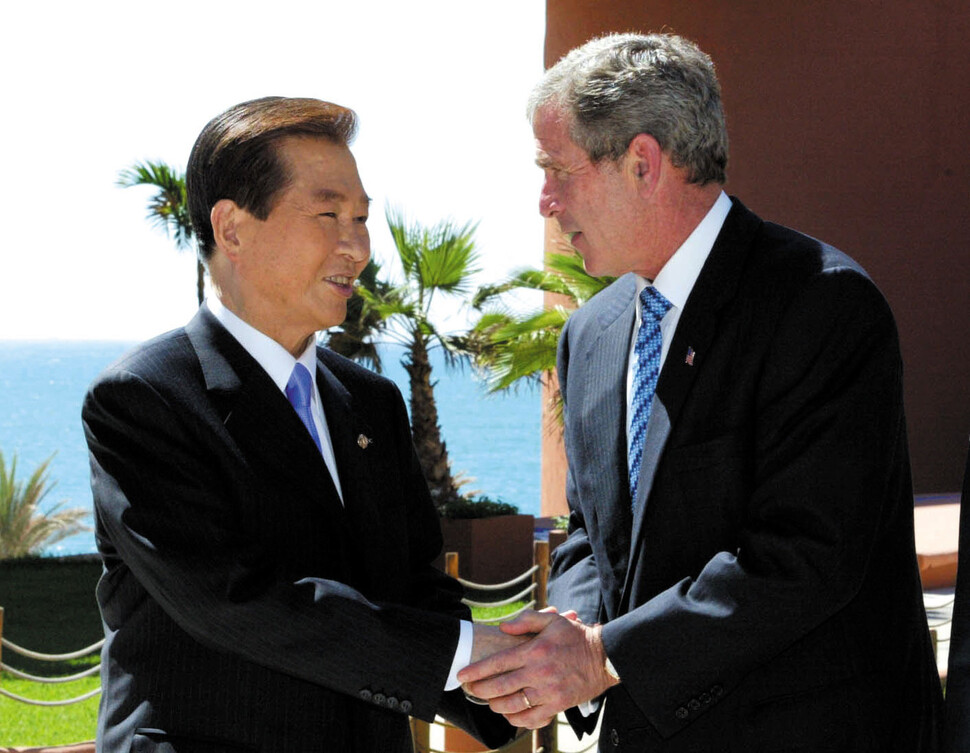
x: 493, y: 439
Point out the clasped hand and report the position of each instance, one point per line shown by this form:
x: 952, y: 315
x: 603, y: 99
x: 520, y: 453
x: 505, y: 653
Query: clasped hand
x: 561, y: 666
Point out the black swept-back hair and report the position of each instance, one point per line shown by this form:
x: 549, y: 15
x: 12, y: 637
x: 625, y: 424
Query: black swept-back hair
x: 236, y: 156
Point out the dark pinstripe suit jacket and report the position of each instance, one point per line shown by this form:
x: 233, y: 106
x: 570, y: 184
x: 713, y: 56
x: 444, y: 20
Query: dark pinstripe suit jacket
x: 762, y: 593
x: 212, y: 503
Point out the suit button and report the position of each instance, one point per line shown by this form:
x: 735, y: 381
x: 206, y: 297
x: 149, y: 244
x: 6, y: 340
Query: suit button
x: 682, y: 713
x: 379, y: 699
x: 365, y: 695
x: 392, y: 703
x: 614, y: 737
x: 705, y: 698
x: 694, y: 704
x: 406, y: 707
x: 717, y: 691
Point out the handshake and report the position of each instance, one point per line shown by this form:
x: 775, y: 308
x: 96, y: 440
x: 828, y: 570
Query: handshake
x: 531, y: 668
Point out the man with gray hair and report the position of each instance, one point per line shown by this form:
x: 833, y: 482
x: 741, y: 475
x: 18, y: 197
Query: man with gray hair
x: 740, y: 566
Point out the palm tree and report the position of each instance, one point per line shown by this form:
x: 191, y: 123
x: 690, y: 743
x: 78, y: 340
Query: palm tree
x: 512, y: 347
x: 168, y: 208
x: 439, y: 259
x: 23, y: 530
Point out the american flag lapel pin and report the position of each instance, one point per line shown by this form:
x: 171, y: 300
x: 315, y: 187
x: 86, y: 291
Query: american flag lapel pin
x: 690, y: 356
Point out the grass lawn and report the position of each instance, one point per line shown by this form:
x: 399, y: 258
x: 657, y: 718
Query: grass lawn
x: 495, y: 615
x: 49, y: 607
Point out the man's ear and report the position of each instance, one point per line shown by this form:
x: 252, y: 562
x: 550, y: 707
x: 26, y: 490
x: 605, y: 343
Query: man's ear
x: 645, y: 158
x: 226, y: 217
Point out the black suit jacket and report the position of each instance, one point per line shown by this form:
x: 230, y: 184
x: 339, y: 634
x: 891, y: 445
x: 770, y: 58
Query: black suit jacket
x: 762, y: 593
x: 212, y: 505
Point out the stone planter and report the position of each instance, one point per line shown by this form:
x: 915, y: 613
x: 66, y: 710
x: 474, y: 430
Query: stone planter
x: 490, y: 550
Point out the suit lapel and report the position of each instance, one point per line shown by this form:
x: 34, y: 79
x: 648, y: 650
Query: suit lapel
x: 604, y: 424
x: 716, y: 285
x: 346, y: 428
x: 261, y: 422
x: 361, y: 450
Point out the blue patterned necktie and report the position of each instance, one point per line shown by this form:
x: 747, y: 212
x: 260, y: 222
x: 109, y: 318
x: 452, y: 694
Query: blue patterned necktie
x: 645, y: 373
x: 298, y: 393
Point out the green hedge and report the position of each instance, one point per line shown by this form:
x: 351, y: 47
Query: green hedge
x: 49, y: 607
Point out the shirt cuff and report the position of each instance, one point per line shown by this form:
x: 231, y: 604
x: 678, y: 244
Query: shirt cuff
x: 591, y: 706
x: 463, y: 655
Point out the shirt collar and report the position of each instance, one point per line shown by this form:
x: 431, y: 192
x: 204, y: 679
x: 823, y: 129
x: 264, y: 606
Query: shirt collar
x: 276, y: 360
x: 677, y: 278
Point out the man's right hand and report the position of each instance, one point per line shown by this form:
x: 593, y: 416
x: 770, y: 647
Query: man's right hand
x: 563, y: 665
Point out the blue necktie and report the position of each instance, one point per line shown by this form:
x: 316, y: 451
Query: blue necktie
x: 645, y: 373
x: 298, y: 393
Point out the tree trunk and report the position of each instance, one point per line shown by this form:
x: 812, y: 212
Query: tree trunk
x: 200, y: 280
x: 432, y: 453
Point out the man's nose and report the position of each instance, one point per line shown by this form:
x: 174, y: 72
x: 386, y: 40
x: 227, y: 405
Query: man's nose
x: 548, y: 201
x: 356, y: 245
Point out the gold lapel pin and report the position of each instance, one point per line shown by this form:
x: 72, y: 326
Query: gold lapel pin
x: 363, y: 442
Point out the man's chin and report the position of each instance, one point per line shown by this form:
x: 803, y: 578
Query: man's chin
x: 591, y: 266
x: 332, y: 316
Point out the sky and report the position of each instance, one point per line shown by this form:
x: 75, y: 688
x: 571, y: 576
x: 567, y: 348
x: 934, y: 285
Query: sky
x: 90, y: 88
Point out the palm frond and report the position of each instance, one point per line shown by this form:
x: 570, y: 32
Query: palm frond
x: 405, y: 240
x: 441, y: 257
x: 395, y: 303
x: 513, y: 347
x: 168, y: 207
x: 579, y: 284
x: 565, y: 276
x: 527, y: 359
x: 455, y: 349
x: 24, y: 530
x: 449, y: 260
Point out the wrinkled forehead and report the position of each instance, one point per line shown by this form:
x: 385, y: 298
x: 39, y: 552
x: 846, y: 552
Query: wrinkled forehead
x: 323, y: 169
x: 554, y: 144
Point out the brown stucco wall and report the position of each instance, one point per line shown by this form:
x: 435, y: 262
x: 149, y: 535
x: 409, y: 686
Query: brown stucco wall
x: 849, y: 121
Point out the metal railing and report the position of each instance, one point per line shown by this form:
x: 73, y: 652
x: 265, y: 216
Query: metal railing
x: 38, y: 656
x: 536, y: 581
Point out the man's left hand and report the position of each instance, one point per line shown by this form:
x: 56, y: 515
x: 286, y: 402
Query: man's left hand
x: 563, y: 666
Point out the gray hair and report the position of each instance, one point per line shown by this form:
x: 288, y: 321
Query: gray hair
x: 615, y: 87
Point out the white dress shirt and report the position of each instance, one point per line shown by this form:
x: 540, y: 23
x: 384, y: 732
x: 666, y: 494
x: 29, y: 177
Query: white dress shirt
x: 278, y: 362
x: 674, y: 282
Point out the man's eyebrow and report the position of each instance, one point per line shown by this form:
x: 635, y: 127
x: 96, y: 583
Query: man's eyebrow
x: 329, y: 194
x: 545, y: 162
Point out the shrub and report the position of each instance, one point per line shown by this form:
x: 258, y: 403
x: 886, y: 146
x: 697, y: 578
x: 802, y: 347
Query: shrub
x: 24, y: 530
x: 483, y: 507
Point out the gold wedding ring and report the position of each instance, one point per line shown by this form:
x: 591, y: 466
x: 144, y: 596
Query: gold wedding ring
x: 528, y: 703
